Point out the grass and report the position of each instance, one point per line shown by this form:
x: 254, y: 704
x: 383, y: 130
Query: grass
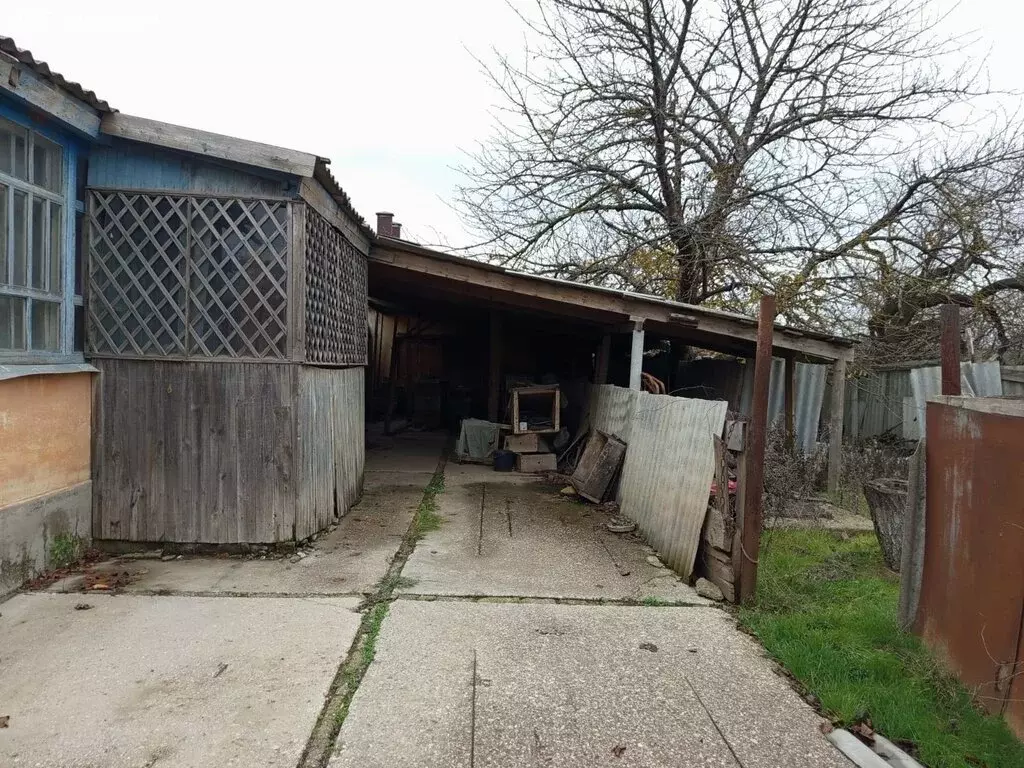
x: 427, y: 518
x: 357, y: 666
x: 65, y: 549
x: 652, y: 601
x: 826, y: 610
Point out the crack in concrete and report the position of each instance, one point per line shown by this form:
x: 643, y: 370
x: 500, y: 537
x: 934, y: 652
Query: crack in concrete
x: 548, y: 600
x: 350, y: 672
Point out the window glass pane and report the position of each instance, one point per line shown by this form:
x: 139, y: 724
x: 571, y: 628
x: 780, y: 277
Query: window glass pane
x: 21, y: 156
x: 47, y: 158
x: 4, y: 197
x: 13, y: 146
x: 40, y: 270
x: 19, y: 232
x: 46, y: 325
x: 12, y: 322
x: 56, y: 248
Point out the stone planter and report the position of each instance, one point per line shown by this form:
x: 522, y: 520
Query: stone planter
x: 887, y: 500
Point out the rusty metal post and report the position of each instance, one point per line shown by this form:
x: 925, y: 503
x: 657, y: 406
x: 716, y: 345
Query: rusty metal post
x: 750, y: 540
x: 949, y: 314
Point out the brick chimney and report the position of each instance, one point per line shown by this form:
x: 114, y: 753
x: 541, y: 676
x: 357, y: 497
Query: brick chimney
x: 385, y: 227
x: 396, y: 230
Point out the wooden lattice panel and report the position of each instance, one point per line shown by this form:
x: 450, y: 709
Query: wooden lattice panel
x: 179, y: 276
x: 335, y: 296
x: 238, y: 286
x: 138, y: 246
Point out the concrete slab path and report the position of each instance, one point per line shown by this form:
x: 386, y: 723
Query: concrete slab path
x: 160, y: 681
x: 476, y: 684
x: 521, y: 538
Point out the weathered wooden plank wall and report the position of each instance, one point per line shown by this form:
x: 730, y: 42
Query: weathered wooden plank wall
x: 195, y: 452
x: 128, y: 166
x: 331, y: 445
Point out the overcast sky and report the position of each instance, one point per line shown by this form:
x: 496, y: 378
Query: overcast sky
x: 387, y: 89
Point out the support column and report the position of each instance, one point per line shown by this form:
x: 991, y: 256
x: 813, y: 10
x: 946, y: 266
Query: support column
x: 949, y: 315
x: 835, y: 428
x: 604, y: 352
x: 494, y: 370
x: 750, y: 539
x: 636, y: 354
x: 790, y: 402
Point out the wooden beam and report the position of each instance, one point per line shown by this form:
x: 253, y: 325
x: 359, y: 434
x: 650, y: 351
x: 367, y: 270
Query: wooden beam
x: 636, y: 355
x: 297, y: 284
x: 604, y: 352
x: 750, y: 540
x: 313, y: 192
x: 24, y: 84
x: 949, y: 315
x: 835, y: 428
x: 710, y: 324
x: 213, y: 145
x: 494, y: 369
x: 790, y: 401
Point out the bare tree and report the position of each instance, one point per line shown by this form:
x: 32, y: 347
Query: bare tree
x: 701, y: 148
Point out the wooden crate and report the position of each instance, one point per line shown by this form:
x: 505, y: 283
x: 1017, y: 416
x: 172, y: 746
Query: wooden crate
x: 520, y: 394
x: 531, y: 442
x: 536, y: 462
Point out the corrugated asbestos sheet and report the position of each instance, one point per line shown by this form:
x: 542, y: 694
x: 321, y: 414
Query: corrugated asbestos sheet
x: 41, y: 68
x: 666, y: 477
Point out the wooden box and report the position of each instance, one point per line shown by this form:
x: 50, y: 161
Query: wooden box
x: 533, y: 398
x: 536, y: 462
x: 531, y: 442
x: 598, y: 466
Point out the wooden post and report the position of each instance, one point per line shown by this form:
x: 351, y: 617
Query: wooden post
x: 790, y: 402
x: 392, y: 375
x: 494, y: 372
x: 750, y: 539
x: 604, y: 352
x: 835, y: 427
x: 636, y: 355
x: 949, y: 314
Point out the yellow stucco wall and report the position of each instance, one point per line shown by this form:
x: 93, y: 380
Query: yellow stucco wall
x: 44, y: 434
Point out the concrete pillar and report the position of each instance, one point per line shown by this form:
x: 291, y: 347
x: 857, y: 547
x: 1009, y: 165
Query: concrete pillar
x: 636, y: 355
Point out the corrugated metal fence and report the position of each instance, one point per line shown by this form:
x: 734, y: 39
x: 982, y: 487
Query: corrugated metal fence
x: 892, y: 402
x: 669, y: 465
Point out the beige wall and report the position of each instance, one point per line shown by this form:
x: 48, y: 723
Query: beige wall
x: 44, y: 434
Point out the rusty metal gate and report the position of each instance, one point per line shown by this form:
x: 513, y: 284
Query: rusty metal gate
x: 972, y: 593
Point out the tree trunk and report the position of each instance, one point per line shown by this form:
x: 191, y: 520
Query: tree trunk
x: 887, y: 500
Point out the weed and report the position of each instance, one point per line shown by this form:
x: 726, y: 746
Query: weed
x: 66, y: 549
x: 652, y: 601
x: 826, y: 610
x: 427, y: 518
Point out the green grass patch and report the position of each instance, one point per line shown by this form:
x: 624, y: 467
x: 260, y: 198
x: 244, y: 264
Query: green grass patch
x: 826, y: 610
x: 427, y: 517
x: 65, y: 549
x: 356, y: 667
x: 652, y: 601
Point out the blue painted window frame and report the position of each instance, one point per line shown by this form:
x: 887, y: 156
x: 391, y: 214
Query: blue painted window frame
x: 72, y: 149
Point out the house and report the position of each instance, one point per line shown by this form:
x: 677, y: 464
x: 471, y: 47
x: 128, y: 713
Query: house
x: 216, y: 287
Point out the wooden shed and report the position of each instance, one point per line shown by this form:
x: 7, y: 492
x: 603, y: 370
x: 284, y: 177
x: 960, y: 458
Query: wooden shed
x: 226, y: 313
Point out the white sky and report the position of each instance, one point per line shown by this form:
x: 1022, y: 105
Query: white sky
x: 388, y: 89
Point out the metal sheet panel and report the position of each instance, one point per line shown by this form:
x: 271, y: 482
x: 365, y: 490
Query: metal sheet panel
x: 666, y: 477
x: 808, y: 398
x: 972, y: 590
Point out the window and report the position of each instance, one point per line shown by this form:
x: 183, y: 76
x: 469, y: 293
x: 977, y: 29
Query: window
x: 33, y: 245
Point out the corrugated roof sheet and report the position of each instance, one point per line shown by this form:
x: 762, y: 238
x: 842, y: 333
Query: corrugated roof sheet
x: 41, y: 68
x: 323, y: 174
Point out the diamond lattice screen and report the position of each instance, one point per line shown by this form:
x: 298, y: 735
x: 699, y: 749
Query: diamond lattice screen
x: 176, y: 276
x: 335, y: 296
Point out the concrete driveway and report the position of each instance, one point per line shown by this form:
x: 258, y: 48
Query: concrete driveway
x: 521, y: 632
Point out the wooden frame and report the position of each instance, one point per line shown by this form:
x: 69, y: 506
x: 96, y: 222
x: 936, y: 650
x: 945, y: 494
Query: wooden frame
x: 541, y: 391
